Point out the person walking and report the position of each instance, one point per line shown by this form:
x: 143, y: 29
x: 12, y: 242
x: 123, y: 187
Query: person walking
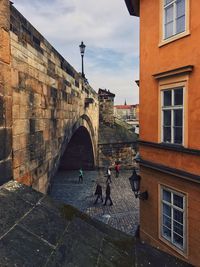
x: 108, y: 195
x: 98, y: 192
x: 117, y: 169
x: 108, y: 176
x: 80, y: 180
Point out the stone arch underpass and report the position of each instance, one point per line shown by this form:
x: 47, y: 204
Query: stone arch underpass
x: 80, y: 151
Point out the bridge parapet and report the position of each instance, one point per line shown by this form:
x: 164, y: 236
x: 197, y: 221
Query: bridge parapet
x: 47, y: 98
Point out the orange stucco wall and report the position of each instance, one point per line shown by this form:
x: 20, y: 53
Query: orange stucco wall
x: 182, y: 161
x: 149, y: 213
x: 155, y: 59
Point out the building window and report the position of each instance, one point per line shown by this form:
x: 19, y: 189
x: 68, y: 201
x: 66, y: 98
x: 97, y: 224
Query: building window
x: 172, y: 116
x: 174, y: 17
x: 173, y: 224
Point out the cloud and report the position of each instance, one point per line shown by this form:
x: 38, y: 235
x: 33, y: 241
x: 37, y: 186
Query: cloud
x: 109, y: 32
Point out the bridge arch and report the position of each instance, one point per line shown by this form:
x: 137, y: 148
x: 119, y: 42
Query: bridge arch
x: 80, y: 147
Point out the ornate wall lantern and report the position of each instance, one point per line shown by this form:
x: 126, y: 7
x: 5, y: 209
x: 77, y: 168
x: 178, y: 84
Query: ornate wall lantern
x: 135, y: 185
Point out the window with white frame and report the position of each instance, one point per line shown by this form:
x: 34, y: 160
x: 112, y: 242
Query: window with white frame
x: 174, y: 17
x: 172, y: 116
x: 173, y: 225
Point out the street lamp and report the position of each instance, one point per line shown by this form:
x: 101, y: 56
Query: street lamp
x: 135, y: 185
x: 82, y: 50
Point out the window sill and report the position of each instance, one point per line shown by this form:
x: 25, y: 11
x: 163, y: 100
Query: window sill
x: 173, y: 38
x: 172, y: 246
x: 172, y: 145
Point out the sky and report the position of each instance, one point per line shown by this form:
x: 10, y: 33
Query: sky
x: 111, y: 36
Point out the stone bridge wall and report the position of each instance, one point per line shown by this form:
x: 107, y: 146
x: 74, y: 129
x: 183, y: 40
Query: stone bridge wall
x: 49, y: 100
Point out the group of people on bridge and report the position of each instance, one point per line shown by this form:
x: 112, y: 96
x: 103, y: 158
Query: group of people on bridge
x: 98, y: 190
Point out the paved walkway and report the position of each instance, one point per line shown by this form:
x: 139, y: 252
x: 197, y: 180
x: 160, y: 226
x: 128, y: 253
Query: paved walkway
x: 123, y: 215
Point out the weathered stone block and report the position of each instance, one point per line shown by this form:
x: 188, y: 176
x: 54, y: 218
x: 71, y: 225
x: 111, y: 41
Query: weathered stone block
x: 20, y: 126
x: 5, y: 46
x: 25, y: 179
x: 8, y: 111
x: 15, y: 78
x: 16, y: 143
x: 24, y: 111
x: 20, y: 157
x: 16, y: 111
x: 5, y: 14
x: 22, y: 80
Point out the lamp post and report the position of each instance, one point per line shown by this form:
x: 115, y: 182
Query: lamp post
x: 82, y: 50
x: 135, y: 185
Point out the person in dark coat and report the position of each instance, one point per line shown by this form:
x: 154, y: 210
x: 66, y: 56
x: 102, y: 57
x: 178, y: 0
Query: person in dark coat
x: 80, y: 178
x: 117, y: 169
x: 108, y: 176
x: 98, y: 192
x: 108, y: 195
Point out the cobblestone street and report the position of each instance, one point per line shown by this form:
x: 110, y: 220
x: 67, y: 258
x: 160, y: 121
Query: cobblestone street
x: 123, y: 215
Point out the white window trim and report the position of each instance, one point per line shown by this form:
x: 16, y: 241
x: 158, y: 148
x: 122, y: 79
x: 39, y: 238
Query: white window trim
x: 182, y: 251
x: 172, y: 117
x: 164, y: 41
x: 174, y: 3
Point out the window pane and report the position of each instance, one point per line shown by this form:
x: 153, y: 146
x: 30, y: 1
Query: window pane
x: 167, y: 196
x: 180, y: 8
x: 178, y: 117
x: 169, y: 14
x: 178, y: 201
x: 178, y: 97
x: 168, y: 1
x: 167, y: 117
x: 166, y: 221
x: 168, y: 30
x: 178, y: 135
x: 178, y: 216
x: 167, y: 98
x: 178, y: 240
x: 167, y: 134
x: 166, y: 232
x: 166, y: 210
x: 178, y: 228
x: 180, y: 24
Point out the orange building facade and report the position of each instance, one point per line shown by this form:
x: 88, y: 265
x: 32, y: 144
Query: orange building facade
x: 170, y: 130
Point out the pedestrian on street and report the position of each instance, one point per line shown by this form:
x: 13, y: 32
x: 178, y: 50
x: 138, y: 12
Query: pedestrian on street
x: 80, y: 175
x: 117, y: 169
x: 98, y: 192
x: 108, y: 195
x: 108, y: 176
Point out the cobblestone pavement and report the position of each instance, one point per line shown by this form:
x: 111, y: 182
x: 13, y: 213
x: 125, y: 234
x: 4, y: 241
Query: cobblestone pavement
x: 123, y: 215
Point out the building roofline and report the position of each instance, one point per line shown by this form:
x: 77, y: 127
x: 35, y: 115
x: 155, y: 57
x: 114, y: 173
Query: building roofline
x: 133, y: 7
x: 105, y: 92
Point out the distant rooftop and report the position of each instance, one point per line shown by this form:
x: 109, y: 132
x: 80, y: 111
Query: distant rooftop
x: 124, y: 106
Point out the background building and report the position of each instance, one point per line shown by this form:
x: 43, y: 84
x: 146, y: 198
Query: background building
x: 129, y: 114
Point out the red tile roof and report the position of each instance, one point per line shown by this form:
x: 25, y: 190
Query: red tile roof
x: 124, y: 106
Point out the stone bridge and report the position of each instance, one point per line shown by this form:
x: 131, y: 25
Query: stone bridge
x: 48, y: 113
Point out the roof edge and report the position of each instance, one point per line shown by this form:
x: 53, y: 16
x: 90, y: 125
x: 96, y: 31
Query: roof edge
x: 133, y: 7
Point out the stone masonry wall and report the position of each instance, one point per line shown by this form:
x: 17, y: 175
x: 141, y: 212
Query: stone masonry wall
x: 121, y: 152
x: 5, y: 95
x: 49, y: 97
